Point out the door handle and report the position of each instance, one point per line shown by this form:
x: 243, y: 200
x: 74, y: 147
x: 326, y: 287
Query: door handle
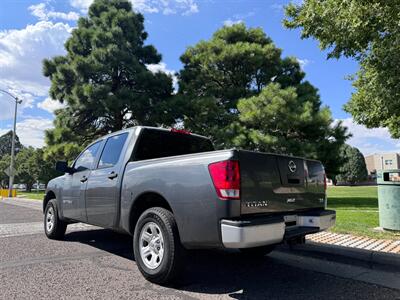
x: 112, y: 175
x: 84, y: 179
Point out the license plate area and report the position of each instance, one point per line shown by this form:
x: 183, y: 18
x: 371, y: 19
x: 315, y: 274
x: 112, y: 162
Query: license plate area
x: 290, y: 220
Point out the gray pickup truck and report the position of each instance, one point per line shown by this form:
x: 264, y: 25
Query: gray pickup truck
x: 171, y: 191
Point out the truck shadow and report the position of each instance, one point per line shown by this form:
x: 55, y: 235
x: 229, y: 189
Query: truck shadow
x: 218, y: 272
x: 103, y: 239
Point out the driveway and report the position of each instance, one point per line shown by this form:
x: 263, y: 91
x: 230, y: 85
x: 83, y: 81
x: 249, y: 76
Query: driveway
x: 94, y: 263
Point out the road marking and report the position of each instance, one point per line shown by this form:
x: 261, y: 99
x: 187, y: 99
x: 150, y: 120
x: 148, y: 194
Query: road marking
x: 33, y: 204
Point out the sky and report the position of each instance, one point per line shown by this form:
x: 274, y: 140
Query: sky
x: 33, y: 30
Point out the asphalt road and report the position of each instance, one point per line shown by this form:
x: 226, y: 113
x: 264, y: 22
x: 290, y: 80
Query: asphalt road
x: 93, y: 263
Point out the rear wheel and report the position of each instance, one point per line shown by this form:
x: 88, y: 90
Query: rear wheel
x: 53, y: 226
x: 157, y: 247
x: 257, y: 251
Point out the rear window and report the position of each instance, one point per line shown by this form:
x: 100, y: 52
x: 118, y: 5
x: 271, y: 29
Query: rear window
x: 159, y: 143
x: 112, y: 150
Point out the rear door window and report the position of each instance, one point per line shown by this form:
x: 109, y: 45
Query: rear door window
x: 112, y: 150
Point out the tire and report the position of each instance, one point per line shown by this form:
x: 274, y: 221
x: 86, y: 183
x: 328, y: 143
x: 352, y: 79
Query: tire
x: 257, y: 252
x: 157, y: 247
x: 56, y: 229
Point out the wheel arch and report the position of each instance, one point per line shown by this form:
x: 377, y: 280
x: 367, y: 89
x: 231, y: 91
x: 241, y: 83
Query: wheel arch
x: 145, y: 201
x: 49, y: 196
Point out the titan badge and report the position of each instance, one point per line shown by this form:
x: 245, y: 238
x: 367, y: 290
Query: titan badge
x: 263, y: 203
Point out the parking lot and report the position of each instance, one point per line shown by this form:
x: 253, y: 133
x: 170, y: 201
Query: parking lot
x: 98, y: 264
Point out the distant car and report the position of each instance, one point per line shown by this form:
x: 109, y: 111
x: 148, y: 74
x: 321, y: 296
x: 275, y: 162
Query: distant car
x: 20, y: 186
x: 171, y: 191
x: 42, y: 186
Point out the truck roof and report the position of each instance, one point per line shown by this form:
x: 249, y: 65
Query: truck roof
x: 138, y: 128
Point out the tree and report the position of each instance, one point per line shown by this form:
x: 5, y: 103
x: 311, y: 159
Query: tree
x: 235, y: 63
x: 31, y: 167
x: 4, y: 164
x: 104, y: 79
x: 278, y: 121
x: 63, y: 142
x: 237, y: 89
x: 5, y: 144
x: 47, y: 167
x: 27, y: 168
x: 354, y: 169
x: 369, y: 32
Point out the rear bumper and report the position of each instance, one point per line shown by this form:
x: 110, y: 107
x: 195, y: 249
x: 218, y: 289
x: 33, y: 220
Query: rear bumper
x: 273, y: 230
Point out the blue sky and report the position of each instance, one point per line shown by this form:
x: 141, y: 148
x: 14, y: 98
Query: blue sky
x: 33, y: 30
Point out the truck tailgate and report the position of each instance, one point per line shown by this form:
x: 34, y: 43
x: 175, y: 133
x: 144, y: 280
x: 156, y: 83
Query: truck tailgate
x: 277, y: 183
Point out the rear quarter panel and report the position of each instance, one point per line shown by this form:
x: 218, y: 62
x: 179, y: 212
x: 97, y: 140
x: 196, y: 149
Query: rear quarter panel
x: 184, y: 181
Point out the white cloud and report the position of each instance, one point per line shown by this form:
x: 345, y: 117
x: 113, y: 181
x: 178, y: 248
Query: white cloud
x: 304, y: 62
x: 83, y: 5
x: 7, y: 103
x: 21, y: 55
x: 31, y: 131
x: 277, y: 7
x: 238, y: 18
x: 40, y: 11
x: 50, y: 105
x: 166, y: 7
x: 162, y: 67
x: 231, y: 22
x: 369, y: 141
x: 22, y: 52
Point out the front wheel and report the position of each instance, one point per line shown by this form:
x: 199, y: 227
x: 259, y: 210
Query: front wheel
x: 53, y: 226
x: 156, y: 244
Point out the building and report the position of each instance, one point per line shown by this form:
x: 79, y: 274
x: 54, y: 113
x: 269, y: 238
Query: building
x: 384, y: 161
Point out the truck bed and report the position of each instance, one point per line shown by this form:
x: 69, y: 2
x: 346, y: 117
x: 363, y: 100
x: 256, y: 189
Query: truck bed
x: 273, y: 183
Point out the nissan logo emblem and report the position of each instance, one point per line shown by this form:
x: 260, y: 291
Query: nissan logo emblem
x: 292, y: 166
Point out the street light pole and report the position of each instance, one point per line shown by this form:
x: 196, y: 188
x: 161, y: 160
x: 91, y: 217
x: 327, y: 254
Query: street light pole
x: 11, y: 181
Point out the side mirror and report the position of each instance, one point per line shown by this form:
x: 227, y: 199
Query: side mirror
x: 62, y: 166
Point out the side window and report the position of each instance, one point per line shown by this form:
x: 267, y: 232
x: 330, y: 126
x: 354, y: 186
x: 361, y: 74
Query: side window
x: 112, y: 150
x: 87, y: 157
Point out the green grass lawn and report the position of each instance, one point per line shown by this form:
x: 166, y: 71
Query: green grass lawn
x: 31, y: 195
x: 357, y: 211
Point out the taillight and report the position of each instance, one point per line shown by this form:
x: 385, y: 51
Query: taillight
x: 325, y: 184
x: 226, y: 178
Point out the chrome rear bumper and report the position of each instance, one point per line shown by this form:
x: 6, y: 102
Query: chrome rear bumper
x: 268, y: 231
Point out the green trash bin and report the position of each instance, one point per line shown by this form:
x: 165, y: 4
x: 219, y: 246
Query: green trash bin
x: 389, y: 199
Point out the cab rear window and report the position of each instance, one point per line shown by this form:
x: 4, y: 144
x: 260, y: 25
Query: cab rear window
x: 160, y: 143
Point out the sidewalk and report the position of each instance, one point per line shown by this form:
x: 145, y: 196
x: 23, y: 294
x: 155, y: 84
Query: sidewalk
x: 358, y: 242
x: 375, y: 253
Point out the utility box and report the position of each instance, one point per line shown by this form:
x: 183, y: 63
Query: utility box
x: 389, y: 199
x: 4, y: 193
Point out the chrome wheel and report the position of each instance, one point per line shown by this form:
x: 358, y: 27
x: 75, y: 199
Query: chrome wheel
x: 151, y: 245
x: 50, y: 219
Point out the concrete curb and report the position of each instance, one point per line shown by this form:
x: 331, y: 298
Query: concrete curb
x: 373, y: 258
